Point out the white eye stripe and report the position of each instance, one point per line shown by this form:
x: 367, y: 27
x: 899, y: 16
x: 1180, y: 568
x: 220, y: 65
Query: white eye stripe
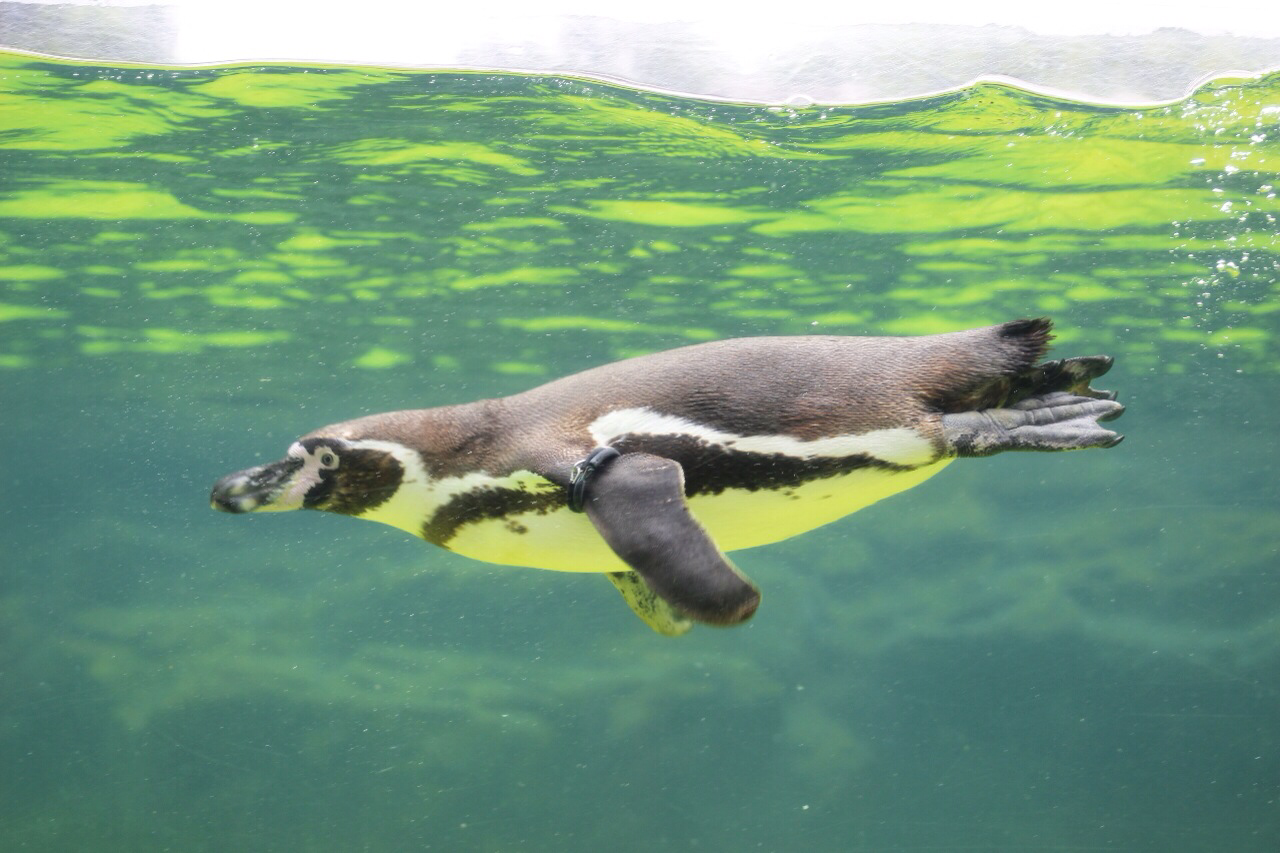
x: 323, y: 454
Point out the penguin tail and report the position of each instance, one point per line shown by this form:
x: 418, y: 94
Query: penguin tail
x: 1006, y: 371
x: 983, y: 367
x: 1071, y: 375
x: 1028, y: 338
x: 1046, y: 406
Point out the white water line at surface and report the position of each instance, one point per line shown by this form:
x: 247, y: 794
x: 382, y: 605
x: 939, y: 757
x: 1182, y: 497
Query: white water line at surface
x: 784, y: 51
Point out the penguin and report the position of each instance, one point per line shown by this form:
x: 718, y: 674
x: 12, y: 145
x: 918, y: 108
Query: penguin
x: 649, y: 469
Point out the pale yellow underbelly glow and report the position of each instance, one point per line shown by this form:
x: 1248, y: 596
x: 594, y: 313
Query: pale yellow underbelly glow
x: 566, y: 541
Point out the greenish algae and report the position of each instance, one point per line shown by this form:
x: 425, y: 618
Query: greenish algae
x: 518, y: 368
x: 509, y: 222
x: 602, y: 324
x: 290, y: 90
x: 381, y: 358
x: 10, y: 312
x: 97, y: 340
x: 47, y: 111
x: 400, y: 152
x: 29, y: 272
x: 517, y: 275
x: 665, y: 213
x: 114, y: 200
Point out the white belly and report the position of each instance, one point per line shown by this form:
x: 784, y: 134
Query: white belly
x: 736, y: 518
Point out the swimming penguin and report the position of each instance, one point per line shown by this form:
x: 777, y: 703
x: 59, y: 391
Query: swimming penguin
x: 649, y: 469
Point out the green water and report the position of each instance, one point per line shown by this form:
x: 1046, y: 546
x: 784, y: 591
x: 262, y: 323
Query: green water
x: 1030, y: 652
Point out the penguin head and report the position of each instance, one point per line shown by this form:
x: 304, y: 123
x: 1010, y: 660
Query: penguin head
x: 318, y: 472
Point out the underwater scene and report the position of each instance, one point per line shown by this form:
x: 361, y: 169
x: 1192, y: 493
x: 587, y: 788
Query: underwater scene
x: 1058, y: 652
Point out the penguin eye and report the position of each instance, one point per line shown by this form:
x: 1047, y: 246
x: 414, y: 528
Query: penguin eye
x: 328, y: 460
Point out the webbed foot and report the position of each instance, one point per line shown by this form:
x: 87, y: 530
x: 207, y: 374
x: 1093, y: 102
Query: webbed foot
x: 1058, y: 420
x: 649, y: 606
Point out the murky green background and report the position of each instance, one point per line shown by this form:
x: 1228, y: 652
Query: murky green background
x: 1031, y: 652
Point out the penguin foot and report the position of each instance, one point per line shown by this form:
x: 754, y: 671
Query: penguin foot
x: 1072, y: 375
x: 649, y: 606
x: 1058, y: 420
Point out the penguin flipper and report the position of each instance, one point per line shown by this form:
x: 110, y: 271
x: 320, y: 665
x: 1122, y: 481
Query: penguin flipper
x: 648, y: 605
x: 1057, y: 420
x: 636, y: 503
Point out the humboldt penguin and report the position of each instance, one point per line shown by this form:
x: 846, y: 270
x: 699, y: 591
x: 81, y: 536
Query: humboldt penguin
x: 649, y: 469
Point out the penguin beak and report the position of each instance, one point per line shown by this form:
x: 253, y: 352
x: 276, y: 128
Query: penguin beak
x: 256, y: 489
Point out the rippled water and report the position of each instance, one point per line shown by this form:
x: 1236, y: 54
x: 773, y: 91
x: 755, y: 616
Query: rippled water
x: 1065, y: 652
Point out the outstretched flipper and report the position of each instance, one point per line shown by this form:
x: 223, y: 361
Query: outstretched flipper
x: 637, y: 504
x: 648, y: 605
x: 1058, y: 420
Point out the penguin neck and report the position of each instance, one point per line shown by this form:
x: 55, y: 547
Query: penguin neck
x: 444, y: 442
x: 444, y: 452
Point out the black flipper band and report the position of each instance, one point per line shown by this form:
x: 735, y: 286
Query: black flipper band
x: 582, y: 472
